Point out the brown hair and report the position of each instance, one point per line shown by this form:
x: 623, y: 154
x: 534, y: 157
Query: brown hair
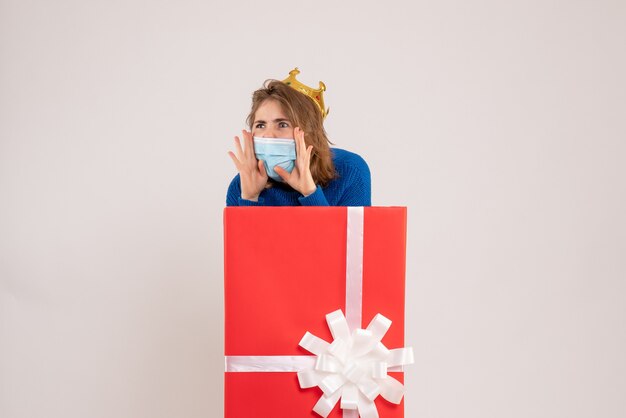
x: 304, y: 113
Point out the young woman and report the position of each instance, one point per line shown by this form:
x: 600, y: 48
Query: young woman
x: 315, y: 175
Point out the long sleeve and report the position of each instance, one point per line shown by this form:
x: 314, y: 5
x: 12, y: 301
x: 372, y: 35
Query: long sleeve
x: 233, y: 196
x: 356, y: 187
x: 359, y: 194
x: 317, y: 198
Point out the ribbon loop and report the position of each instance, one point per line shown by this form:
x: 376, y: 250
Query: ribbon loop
x: 338, y: 325
x: 362, y: 342
x: 325, y: 404
x: 380, y: 352
x: 379, y: 326
x: 313, y: 344
x: 369, y: 388
x: 349, y: 397
x: 401, y: 356
x: 309, y: 379
x: 367, y: 409
x: 391, y: 390
x: 354, y: 372
x: 379, y: 370
x: 332, y: 383
x: 340, y: 349
x: 328, y: 363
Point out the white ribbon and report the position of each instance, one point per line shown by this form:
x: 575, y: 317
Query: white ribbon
x: 268, y: 363
x: 354, y: 267
x: 353, y: 368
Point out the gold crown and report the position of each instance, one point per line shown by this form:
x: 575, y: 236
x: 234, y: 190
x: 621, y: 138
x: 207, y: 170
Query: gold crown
x: 315, y: 94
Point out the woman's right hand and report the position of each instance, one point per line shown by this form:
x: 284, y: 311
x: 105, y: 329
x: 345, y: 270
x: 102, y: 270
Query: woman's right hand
x: 251, y: 171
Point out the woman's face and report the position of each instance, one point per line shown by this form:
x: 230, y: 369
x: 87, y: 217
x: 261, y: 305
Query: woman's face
x: 270, y: 121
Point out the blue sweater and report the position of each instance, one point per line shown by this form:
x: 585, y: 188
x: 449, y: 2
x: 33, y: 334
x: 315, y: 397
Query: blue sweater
x: 351, y: 187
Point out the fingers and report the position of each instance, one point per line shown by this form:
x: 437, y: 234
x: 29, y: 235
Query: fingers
x: 300, y: 145
x: 262, y: 169
x: 299, y: 135
x: 282, y: 173
x: 235, y: 160
x: 245, y: 157
x: 249, y: 145
x: 239, y: 149
x: 300, y: 178
x: 303, y: 153
x: 309, y: 151
x: 296, y: 135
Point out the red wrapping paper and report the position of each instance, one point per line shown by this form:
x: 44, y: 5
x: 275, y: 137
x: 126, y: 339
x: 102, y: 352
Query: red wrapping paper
x: 285, y: 269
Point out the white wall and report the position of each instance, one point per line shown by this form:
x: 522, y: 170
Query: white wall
x: 499, y: 124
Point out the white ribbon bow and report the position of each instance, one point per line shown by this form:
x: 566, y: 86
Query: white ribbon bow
x: 353, y: 367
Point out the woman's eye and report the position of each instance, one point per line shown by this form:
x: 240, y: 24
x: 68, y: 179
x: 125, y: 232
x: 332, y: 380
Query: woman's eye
x: 259, y: 126
x: 284, y: 125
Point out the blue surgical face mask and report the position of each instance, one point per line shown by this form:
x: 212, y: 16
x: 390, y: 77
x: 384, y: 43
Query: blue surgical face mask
x: 274, y: 152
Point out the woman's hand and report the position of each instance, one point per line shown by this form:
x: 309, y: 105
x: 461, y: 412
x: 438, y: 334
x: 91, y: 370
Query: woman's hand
x: 300, y: 177
x: 251, y: 171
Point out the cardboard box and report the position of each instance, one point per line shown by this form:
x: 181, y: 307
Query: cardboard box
x: 285, y: 270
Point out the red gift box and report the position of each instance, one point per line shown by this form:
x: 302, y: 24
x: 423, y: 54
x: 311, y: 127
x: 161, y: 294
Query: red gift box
x: 285, y: 270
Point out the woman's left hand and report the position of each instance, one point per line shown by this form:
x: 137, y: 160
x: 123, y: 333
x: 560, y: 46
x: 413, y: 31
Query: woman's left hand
x: 300, y: 177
